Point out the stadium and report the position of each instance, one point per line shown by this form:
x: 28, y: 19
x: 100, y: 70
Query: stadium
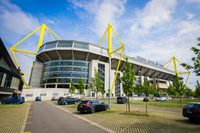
x: 63, y: 61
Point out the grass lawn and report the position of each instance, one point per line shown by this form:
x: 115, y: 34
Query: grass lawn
x: 136, y: 121
x: 169, y: 103
x: 12, y: 117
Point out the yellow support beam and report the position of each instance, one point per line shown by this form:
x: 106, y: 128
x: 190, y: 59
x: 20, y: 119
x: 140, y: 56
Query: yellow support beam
x: 13, y: 49
x: 109, y: 32
x: 42, y: 32
x: 109, y: 40
x: 174, y: 60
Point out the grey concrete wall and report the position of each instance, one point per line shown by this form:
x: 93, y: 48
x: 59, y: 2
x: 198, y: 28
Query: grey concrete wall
x: 36, y: 74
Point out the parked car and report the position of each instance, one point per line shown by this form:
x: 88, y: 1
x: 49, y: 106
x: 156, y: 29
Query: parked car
x: 54, y: 98
x: 161, y: 99
x: 146, y: 99
x: 91, y: 106
x: 192, y: 111
x: 38, y: 98
x: 13, y: 100
x: 63, y: 101
x: 121, y: 100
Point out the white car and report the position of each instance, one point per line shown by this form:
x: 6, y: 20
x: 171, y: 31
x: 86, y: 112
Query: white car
x: 161, y: 99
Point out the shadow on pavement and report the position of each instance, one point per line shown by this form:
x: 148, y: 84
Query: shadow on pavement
x: 187, y: 121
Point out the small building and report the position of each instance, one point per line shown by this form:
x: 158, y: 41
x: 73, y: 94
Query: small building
x: 10, y: 78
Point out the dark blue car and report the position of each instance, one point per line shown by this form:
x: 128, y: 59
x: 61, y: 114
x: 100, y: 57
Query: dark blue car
x: 13, y: 100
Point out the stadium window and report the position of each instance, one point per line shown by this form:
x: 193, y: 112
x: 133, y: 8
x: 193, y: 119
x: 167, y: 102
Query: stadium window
x: 43, y: 94
x: 29, y: 95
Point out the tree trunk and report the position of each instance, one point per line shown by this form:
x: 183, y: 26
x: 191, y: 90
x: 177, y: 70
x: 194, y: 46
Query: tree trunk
x: 96, y: 95
x: 128, y: 104
x: 180, y: 98
x: 146, y: 107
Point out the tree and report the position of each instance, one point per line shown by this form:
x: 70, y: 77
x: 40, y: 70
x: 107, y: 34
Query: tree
x: 139, y: 89
x: 103, y: 91
x: 195, y: 59
x: 147, y: 89
x: 96, y: 84
x: 179, y: 87
x: 127, y: 81
x: 72, y: 88
x: 81, y: 87
x: 189, y: 92
x: 171, y: 91
x: 197, y: 90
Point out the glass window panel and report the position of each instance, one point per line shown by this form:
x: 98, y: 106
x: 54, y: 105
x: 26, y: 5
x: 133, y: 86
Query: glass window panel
x: 64, y: 80
x: 81, y: 45
x: 50, y: 45
x: 64, y: 44
x: 65, y: 69
x: 56, y: 63
x: 77, y: 63
x: 51, y: 81
x: 66, y: 63
x: 77, y: 69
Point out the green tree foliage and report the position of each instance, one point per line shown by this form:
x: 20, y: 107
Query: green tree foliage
x: 96, y: 84
x: 127, y: 81
x: 139, y: 89
x: 81, y: 87
x: 148, y: 88
x: 179, y: 87
x: 195, y: 59
x: 189, y: 92
x: 197, y: 90
x: 171, y: 91
x: 72, y: 88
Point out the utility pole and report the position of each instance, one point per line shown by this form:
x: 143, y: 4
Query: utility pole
x: 109, y: 82
x: 110, y: 57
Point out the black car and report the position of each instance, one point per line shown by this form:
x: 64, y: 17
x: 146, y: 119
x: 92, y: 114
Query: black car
x: 91, y: 106
x: 121, y: 100
x: 38, y: 98
x: 63, y: 101
x: 192, y: 111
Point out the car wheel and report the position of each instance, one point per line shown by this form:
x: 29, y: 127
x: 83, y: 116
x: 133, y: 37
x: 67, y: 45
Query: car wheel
x: 92, y: 110
x: 191, y: 119
x: 81, y: 112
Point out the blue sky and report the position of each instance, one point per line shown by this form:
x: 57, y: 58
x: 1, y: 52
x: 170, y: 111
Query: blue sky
x: 154, y: 29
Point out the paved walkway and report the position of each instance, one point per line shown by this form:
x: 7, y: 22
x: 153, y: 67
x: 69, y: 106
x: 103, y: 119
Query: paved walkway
x: 45, y: 118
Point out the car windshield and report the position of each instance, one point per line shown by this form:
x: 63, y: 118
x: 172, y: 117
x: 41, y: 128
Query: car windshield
x: 84, y: 102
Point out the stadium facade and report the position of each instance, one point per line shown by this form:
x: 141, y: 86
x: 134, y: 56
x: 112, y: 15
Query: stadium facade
x: 63, y: 61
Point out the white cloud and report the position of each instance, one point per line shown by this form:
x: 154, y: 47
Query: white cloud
x: 14, y: 20
x: 158, y: 33
x: 103, y: 11
x: 155, y: 13
x: 194, y: 1
x: 15, y: 24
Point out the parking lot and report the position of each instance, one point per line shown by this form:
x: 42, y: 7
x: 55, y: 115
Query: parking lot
x: 47, y: 117
x: 159, y: 120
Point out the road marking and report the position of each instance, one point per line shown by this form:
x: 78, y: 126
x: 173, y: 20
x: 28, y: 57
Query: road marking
x: 25, y: 120
x: 28, y: 122
x: 84, y: 119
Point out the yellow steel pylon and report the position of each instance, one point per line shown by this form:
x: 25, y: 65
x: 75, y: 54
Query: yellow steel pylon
x: 174, y: 60
x: 109, y: 32
x: 13, y: 48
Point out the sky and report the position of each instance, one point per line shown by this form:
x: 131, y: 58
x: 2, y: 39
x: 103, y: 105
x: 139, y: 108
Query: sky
x: 153, y: 29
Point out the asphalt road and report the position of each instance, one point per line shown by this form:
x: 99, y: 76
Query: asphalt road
x: 45, y: 118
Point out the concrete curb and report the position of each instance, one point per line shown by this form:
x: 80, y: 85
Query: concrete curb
x: 84, y: 119
x: 24, y: 125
